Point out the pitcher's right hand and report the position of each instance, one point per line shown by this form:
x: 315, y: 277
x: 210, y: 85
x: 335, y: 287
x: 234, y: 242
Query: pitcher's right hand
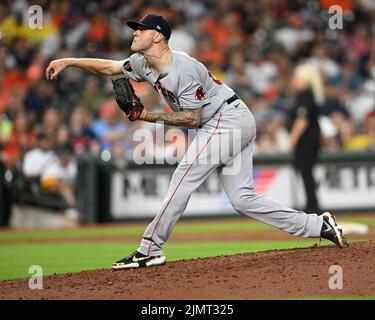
x: 55, y: 68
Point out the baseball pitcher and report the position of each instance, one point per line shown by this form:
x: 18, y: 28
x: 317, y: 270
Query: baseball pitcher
x: 198, y: 101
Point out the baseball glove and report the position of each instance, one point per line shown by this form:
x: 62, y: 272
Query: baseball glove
x: 126, y: 98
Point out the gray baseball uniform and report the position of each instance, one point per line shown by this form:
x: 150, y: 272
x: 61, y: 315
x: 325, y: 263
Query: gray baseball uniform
x: 187, y: 84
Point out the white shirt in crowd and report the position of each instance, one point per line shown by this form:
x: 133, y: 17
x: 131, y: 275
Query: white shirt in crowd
x: 36, y: 161
x: 261, y: 75
x: 289, y: 37
x: 63, y: 174
x: 329, y: 67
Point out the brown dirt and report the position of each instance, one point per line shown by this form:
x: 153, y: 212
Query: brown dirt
x: 270, y: 274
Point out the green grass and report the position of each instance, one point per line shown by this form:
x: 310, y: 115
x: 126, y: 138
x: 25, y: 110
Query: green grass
x: 184, y: 227
x: 15, y: 259
x: 132, y: 230
x: 369, y: 220
x: 95, y: 232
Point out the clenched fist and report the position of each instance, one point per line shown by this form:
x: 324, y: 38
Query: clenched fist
x: 55, y: 67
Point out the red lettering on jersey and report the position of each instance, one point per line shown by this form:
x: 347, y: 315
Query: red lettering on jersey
x: 199, y: 94
x: 166, y: 93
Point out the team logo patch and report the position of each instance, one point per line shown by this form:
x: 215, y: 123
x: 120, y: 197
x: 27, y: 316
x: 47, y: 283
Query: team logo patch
x: 127, y: 66
x: 199, y: 94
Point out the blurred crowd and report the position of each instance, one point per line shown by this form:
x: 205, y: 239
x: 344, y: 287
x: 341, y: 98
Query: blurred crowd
x: 253, y: 46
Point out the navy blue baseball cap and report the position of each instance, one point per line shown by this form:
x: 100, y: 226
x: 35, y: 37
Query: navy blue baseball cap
x: 153, y: 22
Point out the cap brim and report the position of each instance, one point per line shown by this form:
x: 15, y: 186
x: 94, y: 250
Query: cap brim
x: 135, y: 25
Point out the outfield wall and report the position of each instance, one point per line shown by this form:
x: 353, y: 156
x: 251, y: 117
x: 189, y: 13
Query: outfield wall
x: 346, y: 182
x: 140, y: 191
x: 120, y: 190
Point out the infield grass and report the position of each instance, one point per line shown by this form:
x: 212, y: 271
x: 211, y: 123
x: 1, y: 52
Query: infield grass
x: 58, y: 257
x: 137, y: 229
x: 16, y: 259
x: 133, y: 230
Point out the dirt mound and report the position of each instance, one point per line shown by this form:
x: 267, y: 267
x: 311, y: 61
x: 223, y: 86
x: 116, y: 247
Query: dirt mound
x: 269, y: 274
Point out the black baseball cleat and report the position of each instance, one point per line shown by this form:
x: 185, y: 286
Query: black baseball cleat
x: 331, y: 231
x: 138, y: 260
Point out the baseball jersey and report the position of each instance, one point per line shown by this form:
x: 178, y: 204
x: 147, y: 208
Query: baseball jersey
x: 185, y: 83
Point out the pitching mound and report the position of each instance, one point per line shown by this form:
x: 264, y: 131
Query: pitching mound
x: 270, y: 274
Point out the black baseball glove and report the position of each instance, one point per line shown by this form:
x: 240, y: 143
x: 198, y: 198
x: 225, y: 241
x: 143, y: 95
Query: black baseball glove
x: 126, y: 98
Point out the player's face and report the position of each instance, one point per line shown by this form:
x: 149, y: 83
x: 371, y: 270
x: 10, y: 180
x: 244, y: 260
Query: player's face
x: 143, y: 39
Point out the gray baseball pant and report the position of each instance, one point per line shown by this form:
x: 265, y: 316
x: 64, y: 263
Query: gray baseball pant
x: 211, y: 151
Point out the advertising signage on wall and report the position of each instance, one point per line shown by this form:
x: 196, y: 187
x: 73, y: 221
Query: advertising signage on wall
x: 138, y: 193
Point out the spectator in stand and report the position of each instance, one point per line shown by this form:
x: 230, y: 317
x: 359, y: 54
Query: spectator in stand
x: 273, y: 138
x: 62, y: 136
x: 293, y: 34
x: 349, y: 80
x: 361, y: 104
x: 109, y: 129
x: 346, y: 128
x: 371, y: 58
x: 38, y: 158
x: 320, y: 60
x: 21, y: 139
x: 38, y: 97
x: 370, y: 130
x: 81, y: 136
x: 343, y: 125
x: 98, y: 31
x: 350, y: 139
x: 78, y: 27
x: 361, y: 41
x: 237, y: 77
x: 181, y: 39
x: 333, y: 99
x: 50, y: 122
x: 329, y: 140
x: 208, y: 53
x: 265, y: 143
x: 261, y: 73
x: 5, y: 92
x: 92, y: 97
x: 260, y: 109
x: 6, y: 127
x: 59, y: 177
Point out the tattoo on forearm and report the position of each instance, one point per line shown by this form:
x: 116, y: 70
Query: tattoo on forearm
x: 187, y: 118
